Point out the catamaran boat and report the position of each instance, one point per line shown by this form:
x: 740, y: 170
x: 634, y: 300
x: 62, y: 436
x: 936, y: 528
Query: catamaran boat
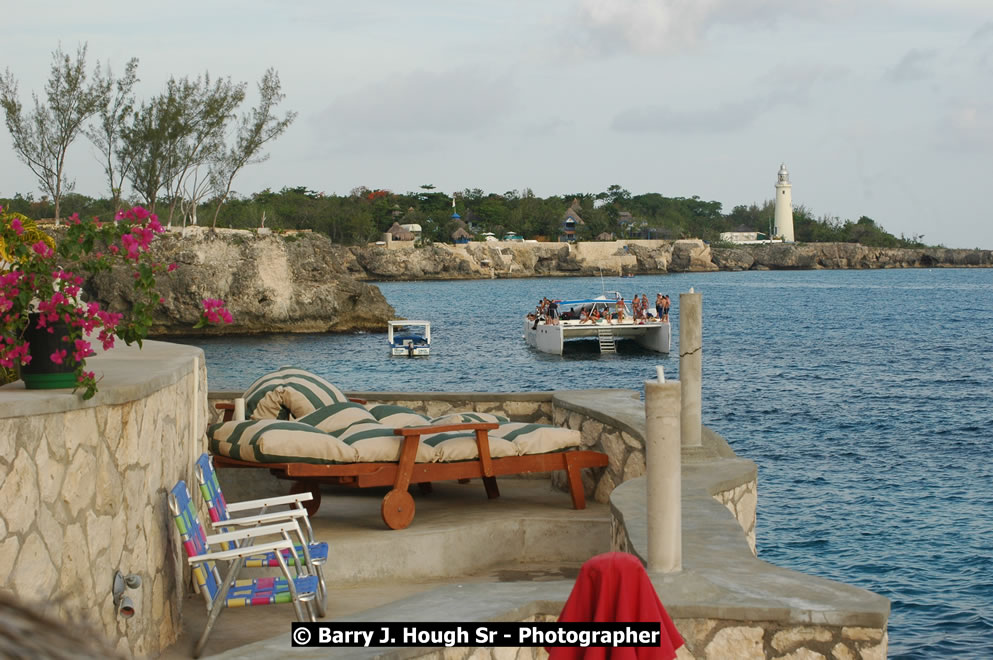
x: 653, y: 333
x: 409, y: 338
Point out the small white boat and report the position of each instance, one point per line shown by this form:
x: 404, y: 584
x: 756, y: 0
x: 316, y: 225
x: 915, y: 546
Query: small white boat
x: 409, y: 338
x: 652, y: 333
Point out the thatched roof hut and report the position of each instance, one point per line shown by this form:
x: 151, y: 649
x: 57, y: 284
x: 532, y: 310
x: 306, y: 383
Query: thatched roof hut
x: 461, y: 235
x: 399, y: 233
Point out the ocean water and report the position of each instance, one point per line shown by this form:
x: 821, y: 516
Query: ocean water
x: 865, y: 398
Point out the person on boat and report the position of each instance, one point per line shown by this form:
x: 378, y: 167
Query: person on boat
x: 636, y: 307
x: 584, y: 316
x: 552, y: 316
x: 620, y: 310
x: 659, y: 305
x: 644, y: 308
x: 595, y: 315
x: 665, y: 308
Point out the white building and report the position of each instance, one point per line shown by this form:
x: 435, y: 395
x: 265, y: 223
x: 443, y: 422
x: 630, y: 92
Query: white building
x: 784, y: 206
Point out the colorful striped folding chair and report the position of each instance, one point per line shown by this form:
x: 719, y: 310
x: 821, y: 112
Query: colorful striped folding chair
x: 219, y: 593
x: 308, y: 550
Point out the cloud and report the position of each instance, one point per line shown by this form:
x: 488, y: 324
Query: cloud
x: 667, y: 26
x: 968, y: 127
x: 784, y: 86
x: 424, y: 103
x: 914, y: 66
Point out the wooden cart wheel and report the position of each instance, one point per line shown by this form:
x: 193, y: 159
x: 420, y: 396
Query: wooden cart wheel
x: 397, y: 509
x: 313, y: 505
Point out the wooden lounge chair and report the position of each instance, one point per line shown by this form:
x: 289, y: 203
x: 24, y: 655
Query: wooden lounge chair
x: 398, y: 506
x: 334, y: 440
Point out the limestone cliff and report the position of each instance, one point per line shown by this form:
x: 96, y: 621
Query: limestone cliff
x: 516, y: 259
x: 304, y: 283
x: 297, y: 283
x: 801, y: 256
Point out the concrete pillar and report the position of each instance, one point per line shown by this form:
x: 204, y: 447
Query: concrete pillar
x: 691, y: 366
x: 663, y: 475
x: 388, y: 240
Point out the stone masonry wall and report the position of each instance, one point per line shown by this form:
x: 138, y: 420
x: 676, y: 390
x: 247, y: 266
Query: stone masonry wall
x: 83, y: 494
x: 742, y: 502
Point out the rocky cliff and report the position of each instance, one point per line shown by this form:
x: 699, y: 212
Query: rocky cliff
x: 298, y: 283
x: 515, y: 259
x: 304, y: 283
x: 803, y: 256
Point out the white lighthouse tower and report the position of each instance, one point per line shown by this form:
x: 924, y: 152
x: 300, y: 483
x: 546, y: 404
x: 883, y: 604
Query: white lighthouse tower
x: 784, y: 206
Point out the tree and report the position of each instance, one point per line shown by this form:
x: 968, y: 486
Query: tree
x: 42, y: 137
x: 257, y: 127
x: 107, y: 134
x: 205, y: 108
x: 176, y: 133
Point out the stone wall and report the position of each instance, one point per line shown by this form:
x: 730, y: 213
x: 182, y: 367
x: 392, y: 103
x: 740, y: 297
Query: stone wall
x: 742, y: 501
x: 757, y: 640
x: 84, y: 491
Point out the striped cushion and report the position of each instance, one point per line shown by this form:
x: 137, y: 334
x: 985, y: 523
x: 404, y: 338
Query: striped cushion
x: 277, y: 441
x: 375, y: 443
x: 397, y: 417
x: 470, y: 418
x: 537, y: 438
x: 289, y: 391
x: 461, y: 446
x: 337, y: 417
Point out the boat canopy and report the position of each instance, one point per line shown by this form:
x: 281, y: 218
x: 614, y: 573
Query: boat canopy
x: 585, y: 301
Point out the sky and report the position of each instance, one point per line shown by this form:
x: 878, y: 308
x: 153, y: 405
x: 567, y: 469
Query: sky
x: 882, y: 108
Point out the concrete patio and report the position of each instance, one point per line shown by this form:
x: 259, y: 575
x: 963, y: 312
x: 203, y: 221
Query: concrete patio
x: 459, y: 540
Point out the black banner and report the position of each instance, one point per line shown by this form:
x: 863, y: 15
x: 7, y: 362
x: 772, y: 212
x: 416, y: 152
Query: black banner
x: 434, y: 634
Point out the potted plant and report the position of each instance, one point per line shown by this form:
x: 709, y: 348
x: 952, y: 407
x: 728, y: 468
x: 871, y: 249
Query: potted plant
x: 44, y: 317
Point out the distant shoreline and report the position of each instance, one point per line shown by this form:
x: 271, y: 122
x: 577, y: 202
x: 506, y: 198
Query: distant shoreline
x: 514, y: 259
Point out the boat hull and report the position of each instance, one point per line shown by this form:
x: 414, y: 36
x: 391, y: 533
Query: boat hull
x: 655, y: 336
x: 404, y: 351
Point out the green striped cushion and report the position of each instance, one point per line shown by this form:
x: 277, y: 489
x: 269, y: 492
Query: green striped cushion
x: 397, y: 417
x: 337, y: 417
x: 537, y: 438
x: 289, y: 391
x: 470, y: 418
x: 375, y: 443
x: 277, y: 441
x: 461, y: 446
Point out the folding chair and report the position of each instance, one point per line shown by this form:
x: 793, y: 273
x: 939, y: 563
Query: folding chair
x: 308, y: 550
x: 219, y: 593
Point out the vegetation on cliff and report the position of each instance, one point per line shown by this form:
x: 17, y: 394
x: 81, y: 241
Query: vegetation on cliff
x: 363, y: 215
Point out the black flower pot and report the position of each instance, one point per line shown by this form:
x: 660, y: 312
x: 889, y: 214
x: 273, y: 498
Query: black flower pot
x: 42, y: 373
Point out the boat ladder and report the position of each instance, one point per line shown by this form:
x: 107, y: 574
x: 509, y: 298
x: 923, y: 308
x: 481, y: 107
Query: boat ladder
x: 606, y: 337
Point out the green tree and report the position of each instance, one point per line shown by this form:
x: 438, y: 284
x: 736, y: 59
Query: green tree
x: 113, y: 115
x: 257, y: 128
x: 43, y: 135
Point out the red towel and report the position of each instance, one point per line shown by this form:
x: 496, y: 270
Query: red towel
x: 614, y: 587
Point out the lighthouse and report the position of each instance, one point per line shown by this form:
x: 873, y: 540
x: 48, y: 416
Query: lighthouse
x: 784, y: 206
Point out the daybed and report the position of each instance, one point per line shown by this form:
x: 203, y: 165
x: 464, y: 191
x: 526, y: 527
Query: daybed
x: 334, y: 440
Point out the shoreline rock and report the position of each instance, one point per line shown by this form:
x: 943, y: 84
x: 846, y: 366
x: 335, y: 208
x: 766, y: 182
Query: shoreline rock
x: 270, y: 283
x: 302, y: 282
x: 514, y: 259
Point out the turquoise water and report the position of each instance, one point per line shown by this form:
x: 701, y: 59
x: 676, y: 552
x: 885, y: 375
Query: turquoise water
x: 865, y: 398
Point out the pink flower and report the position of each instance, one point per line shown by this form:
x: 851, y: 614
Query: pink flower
x: 58, y: 356
x: 172, y: 267
x: 42, y: 249
x: 16, y: 225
